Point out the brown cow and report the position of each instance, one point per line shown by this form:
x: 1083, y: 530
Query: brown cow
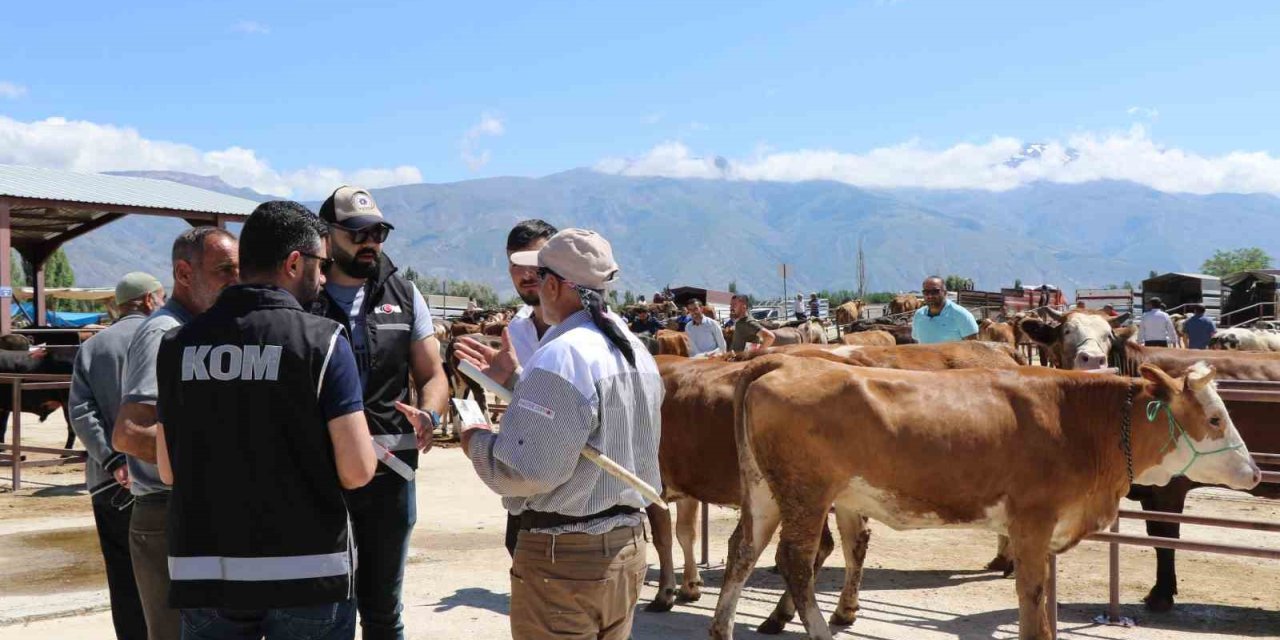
x: 810, y: 332
x: 848, y: 312
x: 460, y: 328
x: 992, y: 331
x: 673, y: 343
x: 875, y: 337
x: 904, y: 303
x: 696, y: 454
x: 1078, y: 340
x: 494, y: 327
x: 1031, y: 453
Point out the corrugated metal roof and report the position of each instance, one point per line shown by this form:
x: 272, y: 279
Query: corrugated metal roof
x: 92, y: 188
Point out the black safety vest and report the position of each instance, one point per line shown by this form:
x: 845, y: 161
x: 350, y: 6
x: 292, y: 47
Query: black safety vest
x: 258, y: 518
x: 388, y: 322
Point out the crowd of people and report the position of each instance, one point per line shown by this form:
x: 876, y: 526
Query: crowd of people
x: 254, y: 435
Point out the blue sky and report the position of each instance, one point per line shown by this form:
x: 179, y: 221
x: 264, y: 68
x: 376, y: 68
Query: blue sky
x: 303, y: 92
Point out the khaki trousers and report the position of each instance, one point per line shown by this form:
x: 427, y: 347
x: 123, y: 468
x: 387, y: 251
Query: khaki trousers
x: 576, y: 585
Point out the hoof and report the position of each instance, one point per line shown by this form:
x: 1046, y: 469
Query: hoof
x: 1001, y: 564
x: 663, y: 602
x: 839, y: 619
x: 690, y: 593
x: 771, y: 626
x: 1158, y: 602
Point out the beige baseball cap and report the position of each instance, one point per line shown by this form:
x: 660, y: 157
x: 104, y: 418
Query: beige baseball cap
x: 580, y: 256
x: 134, y: 285
x: 352, y: 208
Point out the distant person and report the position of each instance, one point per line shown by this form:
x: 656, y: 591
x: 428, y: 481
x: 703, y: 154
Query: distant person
x: 798, y: 308
x: 95, y: 401
x: 1157, y: 328
x: 1080, y: 305
x: 940, y: 319
x: 746, y: 329
x: 645, y: 323
x: 1110, y: 310
x: 814, y: 306
x: 1199, y: 328
x: 205, y: 261
x: 704, y: 333
x: 262, y: 427
x: 1044, y: 296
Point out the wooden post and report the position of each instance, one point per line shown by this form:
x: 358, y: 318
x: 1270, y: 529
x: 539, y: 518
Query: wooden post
x: 1051, y: 598
x: 37, y: 295
x: 1113, y: 560
x: 6, y: 278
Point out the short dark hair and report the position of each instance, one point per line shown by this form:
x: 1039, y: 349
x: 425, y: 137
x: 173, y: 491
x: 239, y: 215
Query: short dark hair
x: 527, y: 231
x: 273, y: 231
x: 693, y: 301
x: 189, y: 245
x: 743, y: 297
x: 1155, y: 303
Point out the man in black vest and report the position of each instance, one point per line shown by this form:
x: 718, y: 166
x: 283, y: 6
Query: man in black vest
x: 263, y: 547
x: 394, y: 341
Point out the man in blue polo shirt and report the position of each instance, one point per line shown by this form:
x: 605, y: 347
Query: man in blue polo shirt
x: 941, y: 320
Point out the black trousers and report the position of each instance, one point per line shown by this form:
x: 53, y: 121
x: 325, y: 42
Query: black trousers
x: 113, y: 537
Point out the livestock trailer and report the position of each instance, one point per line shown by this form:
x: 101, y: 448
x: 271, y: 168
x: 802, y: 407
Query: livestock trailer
x: 1177, y: 290
x: 1120, y: 299
x: 717, y: 300
x: 1250, y: 296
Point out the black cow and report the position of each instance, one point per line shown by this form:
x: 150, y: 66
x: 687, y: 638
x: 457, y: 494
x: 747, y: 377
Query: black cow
x: 40, y: 402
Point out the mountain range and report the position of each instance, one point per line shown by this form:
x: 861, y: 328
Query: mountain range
x: 712, y: 232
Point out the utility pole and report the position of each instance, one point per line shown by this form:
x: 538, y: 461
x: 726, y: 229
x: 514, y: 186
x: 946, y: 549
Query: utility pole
x: 784, y: 291
x: 862, y: 273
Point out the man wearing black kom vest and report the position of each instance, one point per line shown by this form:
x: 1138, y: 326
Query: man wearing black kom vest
x: 393, y: 341
x: 261, y: 428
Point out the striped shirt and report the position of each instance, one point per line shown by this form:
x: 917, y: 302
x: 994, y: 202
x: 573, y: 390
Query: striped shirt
x: 575, y: 390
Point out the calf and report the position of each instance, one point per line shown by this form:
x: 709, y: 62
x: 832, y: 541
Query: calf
x: 1031, y: 453
x: 41, y: 402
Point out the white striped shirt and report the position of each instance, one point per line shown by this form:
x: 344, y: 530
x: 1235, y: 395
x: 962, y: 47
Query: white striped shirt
x: 576, y: 389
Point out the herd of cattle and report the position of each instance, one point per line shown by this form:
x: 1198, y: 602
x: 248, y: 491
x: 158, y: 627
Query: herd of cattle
x: 963, y: 434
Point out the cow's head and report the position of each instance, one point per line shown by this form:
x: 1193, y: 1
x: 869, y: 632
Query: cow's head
x: 1225, y: 341
x: 1081, y: 340
x: 1197, y: 437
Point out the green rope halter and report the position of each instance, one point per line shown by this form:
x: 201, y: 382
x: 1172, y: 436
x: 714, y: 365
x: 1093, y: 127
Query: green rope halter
x: 1176, y: 430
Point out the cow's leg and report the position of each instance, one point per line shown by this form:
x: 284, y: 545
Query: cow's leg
x: 687, y: 535
x: 757, y: 522
x: 855, y: 535
x: 660, y: 523
x: 1029, y: 536
x: 1003, y: 561
x: 801, y: 530
x: 785, y: 610
x: 71, y: 433
x: 1171, y: 498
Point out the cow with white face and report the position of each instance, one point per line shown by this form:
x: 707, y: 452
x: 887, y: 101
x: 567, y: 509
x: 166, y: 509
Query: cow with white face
x: 1081, y: 340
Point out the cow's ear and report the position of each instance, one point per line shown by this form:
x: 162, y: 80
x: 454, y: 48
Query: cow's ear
x: 1040, y: 331
x: 1166, y: 387
x: 1119, y: 320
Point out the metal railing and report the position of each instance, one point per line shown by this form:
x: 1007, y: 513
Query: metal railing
x: 18, y: 383
x: 1222, y: 319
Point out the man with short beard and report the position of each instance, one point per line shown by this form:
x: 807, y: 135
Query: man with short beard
x: 394, y: 341
x: 206, y: 260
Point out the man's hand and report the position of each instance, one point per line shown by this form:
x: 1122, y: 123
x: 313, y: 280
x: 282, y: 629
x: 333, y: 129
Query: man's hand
x: 423, y: 427
x: 466, y: 435
x: 121, y: 474
x: 498, y: 364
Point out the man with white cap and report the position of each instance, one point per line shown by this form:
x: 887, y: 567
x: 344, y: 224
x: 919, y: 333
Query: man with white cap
x: 580, y: 555
x: 95, y: 401
x: 395, y: 347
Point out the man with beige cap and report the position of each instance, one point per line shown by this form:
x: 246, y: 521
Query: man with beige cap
x: 95, y: 401
x: 580, y: 554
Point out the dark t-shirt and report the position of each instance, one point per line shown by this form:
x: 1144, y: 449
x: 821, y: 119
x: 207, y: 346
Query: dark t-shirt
x: 744, y: 330
x: 1198, y: 330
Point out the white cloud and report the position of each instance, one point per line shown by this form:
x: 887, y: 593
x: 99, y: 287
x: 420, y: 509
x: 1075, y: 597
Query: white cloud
x: 251, y: 27
x: 489, y: 125
x: 1149, y: 113
x: 11, y: 91
x: 1123, y: 155
x: 79, y: 145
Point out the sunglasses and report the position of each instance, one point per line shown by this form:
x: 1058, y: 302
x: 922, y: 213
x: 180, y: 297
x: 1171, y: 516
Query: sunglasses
x: 932, y: 292
x: 543, y: 272
x: 377, y: 232
x: 325, y: 263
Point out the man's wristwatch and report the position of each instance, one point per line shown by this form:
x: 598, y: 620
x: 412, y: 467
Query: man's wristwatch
x: 435, y: 418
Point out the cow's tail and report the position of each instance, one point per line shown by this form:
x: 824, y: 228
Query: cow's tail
x: 749, y: 469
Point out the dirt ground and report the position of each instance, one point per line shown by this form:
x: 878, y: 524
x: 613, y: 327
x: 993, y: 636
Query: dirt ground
x: 918, y: 585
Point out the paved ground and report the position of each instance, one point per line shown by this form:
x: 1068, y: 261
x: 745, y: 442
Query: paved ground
x: 919, y: 585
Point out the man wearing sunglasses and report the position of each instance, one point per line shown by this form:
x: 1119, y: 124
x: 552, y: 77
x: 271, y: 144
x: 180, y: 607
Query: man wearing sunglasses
x: 394, y: 343
x: 941, y: 320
